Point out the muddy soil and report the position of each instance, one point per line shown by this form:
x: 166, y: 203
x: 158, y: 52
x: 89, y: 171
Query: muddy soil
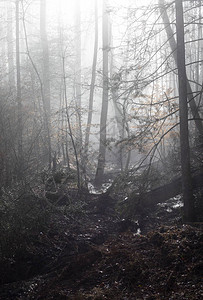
x: 99, y: 255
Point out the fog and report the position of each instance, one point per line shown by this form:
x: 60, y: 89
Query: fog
x: 53, y: 57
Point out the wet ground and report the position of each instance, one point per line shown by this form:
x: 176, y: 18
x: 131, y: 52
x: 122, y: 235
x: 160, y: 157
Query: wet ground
x: 97, y: 254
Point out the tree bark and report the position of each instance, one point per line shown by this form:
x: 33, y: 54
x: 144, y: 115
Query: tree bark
x: 78, y: 73
x: 92, y: 85
x: 70, y: 128
x: 199, y: 69
x: 45, y: 78
x: 104, y: 110
x: 173, y: 45
x: 11, y: 73
x: 165, y: 192
x: 19, y: 98
x: 183, y: 112
x: 115, y: 82
x: 45, y: 54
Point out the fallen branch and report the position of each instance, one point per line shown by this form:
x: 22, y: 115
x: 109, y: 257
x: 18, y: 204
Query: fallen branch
x: 167, y: 191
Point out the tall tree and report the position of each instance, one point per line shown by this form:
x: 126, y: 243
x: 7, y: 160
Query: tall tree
x: 19, y: 98
x: 77, y: 86
x: 45, y: 77
x: 199, y: 66
x: 104, y: 109
x: 11, y: 73
x: 92, y: 85
x: 115, y: 81
x: 183, y: 111
x: 173, y: 45
x: 70, y: 127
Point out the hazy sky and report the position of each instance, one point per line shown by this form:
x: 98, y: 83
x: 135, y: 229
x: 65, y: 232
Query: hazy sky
x: 87, y: 6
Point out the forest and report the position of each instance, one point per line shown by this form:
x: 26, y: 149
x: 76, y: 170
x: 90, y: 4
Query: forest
x: 101, y: 149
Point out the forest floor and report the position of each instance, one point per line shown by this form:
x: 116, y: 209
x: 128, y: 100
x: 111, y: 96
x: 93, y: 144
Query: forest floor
x: 98, y: 255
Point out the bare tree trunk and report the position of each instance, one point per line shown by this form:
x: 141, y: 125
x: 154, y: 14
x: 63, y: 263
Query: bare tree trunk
x: 45, y: 77
x: 104, y: 110
x: 70, y: 128
x: 173, y: 45
x: 62, y: 117
x: 78, y: 73
x: 115, y: 81
x: 19, y: 98
x: 92, y: 86
x: 201, y: 43
x: 199, y: 72
x: 120, y: 116
x: 11, y: 73
x: 183, y: 111
x: 45, y: 54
